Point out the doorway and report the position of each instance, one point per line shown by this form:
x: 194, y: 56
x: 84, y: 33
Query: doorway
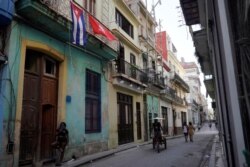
x: 39, y: 109
x: 138, y: 120
x: 125, y: 118
x: 183, y: 118
x: 165, y: 119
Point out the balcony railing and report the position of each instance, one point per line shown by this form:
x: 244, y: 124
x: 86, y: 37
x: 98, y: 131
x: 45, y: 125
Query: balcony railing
x: 168, y: 91
x: 155, y: 78
x: 62, y: 8
x: 181, y: 82
x: 195, y: 103
x: 159, y: 80
x: 171, y: 94
x: 179, y: 99
x: 131, y: 71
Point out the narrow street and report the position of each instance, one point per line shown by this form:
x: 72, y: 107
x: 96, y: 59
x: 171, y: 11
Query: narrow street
x: 178, y: 153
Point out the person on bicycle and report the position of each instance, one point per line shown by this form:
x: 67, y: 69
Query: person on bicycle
x: 157, y: 128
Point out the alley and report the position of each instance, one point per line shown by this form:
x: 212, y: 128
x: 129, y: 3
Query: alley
x: 178, y: 153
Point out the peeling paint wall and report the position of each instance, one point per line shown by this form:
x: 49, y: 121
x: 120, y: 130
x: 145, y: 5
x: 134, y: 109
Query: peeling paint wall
x: 72, y: 68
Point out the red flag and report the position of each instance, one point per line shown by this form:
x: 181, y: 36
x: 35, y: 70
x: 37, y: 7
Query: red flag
x: 98, y: 28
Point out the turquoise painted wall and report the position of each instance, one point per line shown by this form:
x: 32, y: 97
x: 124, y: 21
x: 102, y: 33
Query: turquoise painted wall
x: 8, y: 88
x: 153, y: 104
x: 78, y: 62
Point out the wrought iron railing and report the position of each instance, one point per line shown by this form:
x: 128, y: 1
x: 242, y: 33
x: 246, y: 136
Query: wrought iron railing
x: 62, y: 8
x: 171, y: 94
x: 179, y: 99
x: 159, y: 80
x: 154, y: 77
x: 195, y: 103
x: 131, y: 71
x: 178, y: 79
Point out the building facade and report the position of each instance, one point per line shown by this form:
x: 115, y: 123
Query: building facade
x: 222, y: 49
x: 128, y: 80
x: 192, y: 78
x: 48, y: 80
x: 108, y: 91
x: 176, y: 89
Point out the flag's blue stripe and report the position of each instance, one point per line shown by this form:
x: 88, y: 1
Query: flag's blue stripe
x: 78, y: 30
x: 84, y: 30
x: 78, y: 34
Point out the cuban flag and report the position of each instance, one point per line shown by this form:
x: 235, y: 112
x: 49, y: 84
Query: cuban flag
x: 79, y: 30
x: 98, y: 28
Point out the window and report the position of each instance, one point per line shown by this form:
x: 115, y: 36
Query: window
x: 133, y: 68
x: 92, y: 102
x: 31, y: 62
x: 153, y: 65
x: 89, y: 5
x: 132, y: 59
x: 124, y: 23
x: 50, y: 67
x: 165, y: 119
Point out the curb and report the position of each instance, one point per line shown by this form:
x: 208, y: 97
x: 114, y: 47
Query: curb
x: 104, y: 154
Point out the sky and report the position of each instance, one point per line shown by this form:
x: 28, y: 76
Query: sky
x: 169, y: 14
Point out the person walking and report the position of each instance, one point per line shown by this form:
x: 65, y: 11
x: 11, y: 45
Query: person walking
x: 191, y: 131
x: 185, y: 131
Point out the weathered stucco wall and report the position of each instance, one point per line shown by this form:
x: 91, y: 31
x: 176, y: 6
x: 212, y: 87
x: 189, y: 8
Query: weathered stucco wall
x: 73, y: 63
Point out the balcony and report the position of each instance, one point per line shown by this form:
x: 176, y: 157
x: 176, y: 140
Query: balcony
x: 146, y: 37
x: 55, y: 19
x: 190, y: 11
x: 155, y: 78
x: 129, y: 76
x: 209, y: 84
x: 170, y: 94
x: 195, y: 103
x: 178, y: 80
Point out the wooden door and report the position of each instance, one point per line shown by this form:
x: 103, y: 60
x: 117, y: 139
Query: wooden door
x: 125, y: 119
x: 49, y: 106
x: 165, y: 119
x: 121, y: 61
x: 174, y: 118
x: 138, y: 120
x: 29, y: 126
x: 183, y: 117
x: 39, y: 108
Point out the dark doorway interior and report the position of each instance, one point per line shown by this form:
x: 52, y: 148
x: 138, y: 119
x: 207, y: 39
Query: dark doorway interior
x: 125, y: 118
x: 138, y: 120
x: 165, y: 119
